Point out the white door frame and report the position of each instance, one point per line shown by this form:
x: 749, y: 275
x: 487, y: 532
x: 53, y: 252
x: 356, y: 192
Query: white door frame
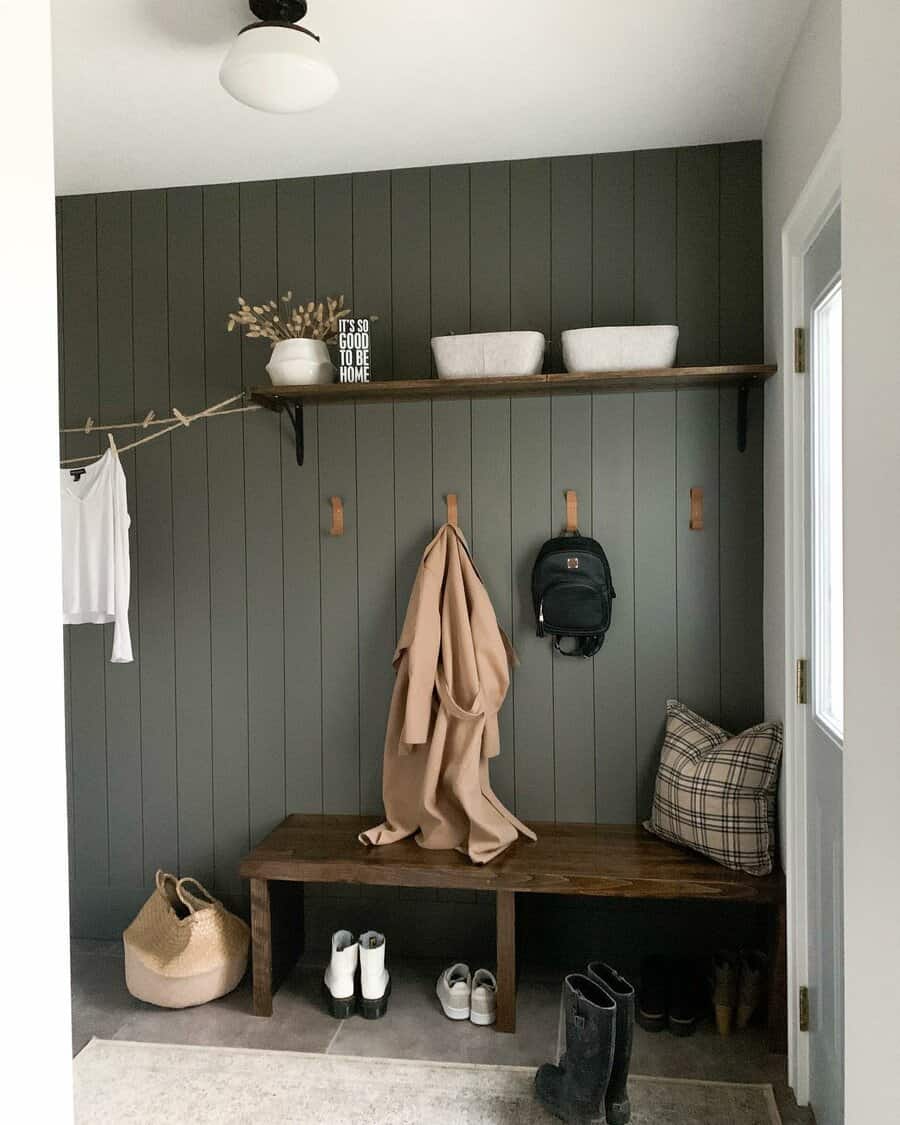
x: 815, y: 205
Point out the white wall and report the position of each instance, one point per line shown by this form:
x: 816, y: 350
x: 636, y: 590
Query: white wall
x: 871, y: 272
x: 806, y: 112
x: 34, y: 947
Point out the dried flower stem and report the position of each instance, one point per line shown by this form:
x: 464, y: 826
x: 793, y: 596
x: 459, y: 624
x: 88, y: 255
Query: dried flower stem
x: 311, y: 321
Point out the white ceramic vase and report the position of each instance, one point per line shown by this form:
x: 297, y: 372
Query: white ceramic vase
x: 300, y: 361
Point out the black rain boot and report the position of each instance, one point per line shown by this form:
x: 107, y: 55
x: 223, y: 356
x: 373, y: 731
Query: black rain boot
x: 618, y: 1107
x: 574, y: 1090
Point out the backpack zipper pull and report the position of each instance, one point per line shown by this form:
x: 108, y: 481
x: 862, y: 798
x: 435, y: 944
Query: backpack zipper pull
x: 540, y: 628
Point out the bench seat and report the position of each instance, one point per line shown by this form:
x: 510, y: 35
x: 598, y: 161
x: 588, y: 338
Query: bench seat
x: 607, y: 861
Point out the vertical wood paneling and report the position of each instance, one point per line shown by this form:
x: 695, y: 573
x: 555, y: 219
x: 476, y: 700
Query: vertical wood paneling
x: 340, y: 631
x: 193, y: 672
x: 529, y: 245
x: 529, y: 283
x: 413, y: 501
x: 655, y: 237
x: 264, y: 644
x: 337, y: 477
x: 372, y: 264
x: 116, y: 378
x: 263, y: 518
x: 492, y: 547
x: 698, y: 425
x: 450, y: 268
x: 698, y: 551
x: 613, y: 667
x: 451, y: 443
x: 571, y: 250
x: 741, y: 513
x: 573, y: 678
x: 87, y: 668
x: 375, y: 527
x: 698, y: 254
x: 489, y: 250
x: 655, y: 621
x: 300, y: 513
x: 489, y: 247
x: 410, y: 269
x: 334, y: 237
x: 655, y: 640
x: 740, y: 231
x: 154, y: 539
x: 227, y: 539
x: 571, y: 307
x: 531, y: 525
x: 613, y: 229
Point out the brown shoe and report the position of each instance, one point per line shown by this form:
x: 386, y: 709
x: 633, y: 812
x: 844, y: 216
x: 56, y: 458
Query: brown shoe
x: 725, y: 989
x: 751, y: 982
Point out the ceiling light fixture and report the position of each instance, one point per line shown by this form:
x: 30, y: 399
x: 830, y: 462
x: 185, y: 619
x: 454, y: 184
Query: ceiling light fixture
x: 276, y: 66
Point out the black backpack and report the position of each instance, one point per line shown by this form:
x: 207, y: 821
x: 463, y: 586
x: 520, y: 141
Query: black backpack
x: 572, y: 591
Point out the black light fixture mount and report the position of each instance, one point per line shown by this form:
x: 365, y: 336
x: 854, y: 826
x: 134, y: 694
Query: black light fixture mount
x: 279, y: 11
x: 280, y: 14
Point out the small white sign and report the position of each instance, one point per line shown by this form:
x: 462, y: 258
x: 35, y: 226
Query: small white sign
x: 354, y: 349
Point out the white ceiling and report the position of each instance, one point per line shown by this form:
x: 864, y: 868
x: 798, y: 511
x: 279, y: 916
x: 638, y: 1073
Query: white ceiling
x: 138, y: 103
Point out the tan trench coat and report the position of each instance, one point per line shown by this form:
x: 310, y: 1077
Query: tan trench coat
x: 452, y: 663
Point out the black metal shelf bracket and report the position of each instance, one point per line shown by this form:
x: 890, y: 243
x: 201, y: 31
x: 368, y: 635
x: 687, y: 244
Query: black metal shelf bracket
x: 743, y: 404
x: 295, y: 413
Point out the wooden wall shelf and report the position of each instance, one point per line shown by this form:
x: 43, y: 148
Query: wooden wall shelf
x: 293, y: 399
x: 405, y: 390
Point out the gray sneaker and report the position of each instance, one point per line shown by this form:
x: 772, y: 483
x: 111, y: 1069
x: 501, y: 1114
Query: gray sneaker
x: 483, y: 1004
x: 454, y: 990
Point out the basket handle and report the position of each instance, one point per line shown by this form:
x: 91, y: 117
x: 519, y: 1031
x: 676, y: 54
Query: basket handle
x: 186, y: 898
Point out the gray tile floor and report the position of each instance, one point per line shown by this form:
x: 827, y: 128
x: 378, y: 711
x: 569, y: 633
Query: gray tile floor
x: 414, y: 1027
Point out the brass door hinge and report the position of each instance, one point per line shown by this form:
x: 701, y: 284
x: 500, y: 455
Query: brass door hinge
x: 801, y: 681
x: 799, y: 350
x: 803, y: 1003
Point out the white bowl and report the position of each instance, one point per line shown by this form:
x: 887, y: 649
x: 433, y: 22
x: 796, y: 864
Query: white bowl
x: 631, y: 347
x: 488, y: 353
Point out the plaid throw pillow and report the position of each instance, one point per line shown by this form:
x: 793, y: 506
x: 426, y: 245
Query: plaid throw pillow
x: 715, y: 792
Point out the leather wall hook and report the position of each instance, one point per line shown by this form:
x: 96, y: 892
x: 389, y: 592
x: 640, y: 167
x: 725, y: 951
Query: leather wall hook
x: 337, y: 515
x: 696, y: 521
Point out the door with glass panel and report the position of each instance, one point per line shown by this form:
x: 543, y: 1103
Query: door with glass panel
x: 825, y: 670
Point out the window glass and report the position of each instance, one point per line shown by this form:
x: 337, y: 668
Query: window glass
x: 827, y: 514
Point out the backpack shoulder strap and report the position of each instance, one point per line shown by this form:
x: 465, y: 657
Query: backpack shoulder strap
x: 584, y: 646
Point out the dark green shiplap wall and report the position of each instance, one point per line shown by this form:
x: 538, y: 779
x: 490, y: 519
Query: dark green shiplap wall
x: 262, y: 674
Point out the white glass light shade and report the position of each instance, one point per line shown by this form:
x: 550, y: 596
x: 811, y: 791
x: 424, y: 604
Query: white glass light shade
x: 277, y: 69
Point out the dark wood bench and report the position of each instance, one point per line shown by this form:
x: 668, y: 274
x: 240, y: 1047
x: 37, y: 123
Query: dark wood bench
x: 610, y: 861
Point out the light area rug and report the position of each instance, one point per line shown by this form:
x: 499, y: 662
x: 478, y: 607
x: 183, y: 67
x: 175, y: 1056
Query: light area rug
x: 118, y: 1083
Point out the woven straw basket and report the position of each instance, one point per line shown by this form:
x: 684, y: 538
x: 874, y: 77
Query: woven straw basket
x: 184, y: 947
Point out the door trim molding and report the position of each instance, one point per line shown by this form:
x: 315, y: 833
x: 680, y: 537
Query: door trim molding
x: 814, y: 206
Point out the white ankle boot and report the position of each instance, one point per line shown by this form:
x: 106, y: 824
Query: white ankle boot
x: 340, y: 976
x: 374, y: 979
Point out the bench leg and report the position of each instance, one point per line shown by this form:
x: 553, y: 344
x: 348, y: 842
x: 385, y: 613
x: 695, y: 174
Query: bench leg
x: 261, y: 938
x: 778, y: 981
x: 506, y: 961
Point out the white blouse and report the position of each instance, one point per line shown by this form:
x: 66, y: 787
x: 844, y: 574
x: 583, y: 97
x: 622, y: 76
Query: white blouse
x: 96, y: 566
